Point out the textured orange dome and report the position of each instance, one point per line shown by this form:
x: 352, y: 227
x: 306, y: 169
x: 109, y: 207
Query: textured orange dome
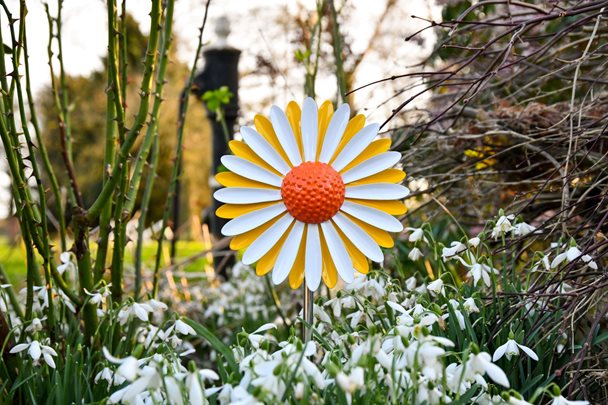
x: 313, y: 192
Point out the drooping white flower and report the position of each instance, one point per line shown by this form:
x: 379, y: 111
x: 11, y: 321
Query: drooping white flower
x: 479, y: 271
x: 35, y: 325
x: 416, y: 234
x: 66, y: 262
x: 183, y: 328
x: 481, y: 363
x: 560, y: 400
x: 571, y: 254
x: 589, y: 260
x: 522, y: 229
x: 436, y: 287
x: 36, y: 350
x: 470, y: 306
x: 511, y: 348
x: 474, y: 242
x: 350, y: 383
x: 451, y: 252
x: 415, y: 254
x: 502, y: 226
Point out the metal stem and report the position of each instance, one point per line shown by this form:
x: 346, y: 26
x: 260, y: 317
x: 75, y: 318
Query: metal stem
x: 308, y: 313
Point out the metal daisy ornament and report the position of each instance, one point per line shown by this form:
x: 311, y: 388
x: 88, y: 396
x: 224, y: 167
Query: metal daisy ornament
x: 311, y: 195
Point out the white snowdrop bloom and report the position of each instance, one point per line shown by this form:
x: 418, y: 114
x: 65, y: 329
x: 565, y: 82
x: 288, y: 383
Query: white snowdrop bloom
x: 479, y: 271
x: 511, y: 348
x: 63, y: 298
x: 299, y: 391
x: 195, y: 383
x: 157, y: 305
x: 470, y: 306
x: 560, y: 400
x: 481, y: 364
x: 502, y: 226
x: 416, y: 234
x: 96, y: 297
x: 426, y: 354
x: 474, y: 242
x: 589, y: 260
x: 141, y: 311
x: 35, y: 325
x: 415, y: 254
x: 459, y: 316
x: 451, y: 252
x: 183, y: 328
x: 149, y: 377
x: 522, y: 229
x: 256, y: 337
x: 36, y: 350
x: 311, y: 193
x: 571, y: 254
x: 513, y: 400
x: 350, y: 383
x: 110, y: 377
x: 436, y: 287
x: 66, y: 262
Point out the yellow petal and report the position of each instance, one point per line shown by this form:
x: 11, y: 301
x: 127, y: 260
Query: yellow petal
x: 325, y: 113
x: 241, y: 149
x: 375, y: 148
x: 360, y: 262
x: 385, y: 176
x: 236, y: 210
x: 294, y: 116
x: 245, y: 239
x: 229, y: 179
x: 391, y: 207
x: 264, y: 127
x: 354, y: 125
x: 296, y: 275
x: 266, y: 263
x: 381, y: 237
x: 329, y: 273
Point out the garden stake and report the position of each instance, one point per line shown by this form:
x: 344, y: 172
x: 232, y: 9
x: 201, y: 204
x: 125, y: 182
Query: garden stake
x: 308, y: 309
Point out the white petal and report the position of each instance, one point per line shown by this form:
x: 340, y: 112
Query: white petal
x: 372, y: 216
x: 355, y: 146
x: 285, y: 134
x: 252, y: 220
x: 19, y: 348
x: 309, y: 124
x: 378, y: 191
x: 267, y: 240
x: 264, y: 328
x: 64, y: 257
x: 34, y: 350
x: 529, y: 352
x: 245, y: 195
x: 249, y: 170
x: 313, y: 263
x: 264, y: 150
x: 288, y: 253
x: 359, y: 238
x: 48, y: 360
x: 338, y: 252
x: 500, y: 351
x: 335, y: 131
x: 371, y: 166
x: 496, y: 374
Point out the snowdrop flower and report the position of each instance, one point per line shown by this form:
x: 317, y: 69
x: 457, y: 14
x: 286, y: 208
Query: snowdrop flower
x: 474, y: 242
x: 110, y: 377
x: 479, y: 271
x: 351, y: 383
x: 451, y: 252
x: 415, y: 254
x: 129, y: 366
x: 416, y: 234
x: 255, y: 338
x: 157, y: 305
x: 37, y: 350
x: 35, y: 325
x: 522, y: 229
x: 66, y: 262
x: 436, y: 287
x: 141, y: 311
x: 195, y: 383
x: 183, y: 328
x: 459, y: 317
x: 589, y: 260
x: 559, y: 400
x: 511, y: 348
x: 470, y: 306
x: 502, y: 226
x: 571, y: 254
x: 481, y: 364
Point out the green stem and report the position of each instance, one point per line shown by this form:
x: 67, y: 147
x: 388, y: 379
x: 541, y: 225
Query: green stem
x: 337, y: 45
x: 178, y: 152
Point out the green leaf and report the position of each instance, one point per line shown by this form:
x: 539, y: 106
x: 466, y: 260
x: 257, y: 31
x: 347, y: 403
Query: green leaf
x: 217, y: 344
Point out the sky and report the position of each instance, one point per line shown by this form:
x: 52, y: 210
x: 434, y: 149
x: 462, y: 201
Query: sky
x: 260, y: 28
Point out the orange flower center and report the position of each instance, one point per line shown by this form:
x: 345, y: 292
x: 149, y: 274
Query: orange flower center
x: 313, y: 192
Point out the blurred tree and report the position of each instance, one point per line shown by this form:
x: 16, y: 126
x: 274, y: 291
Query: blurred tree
x: 88, y: 104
